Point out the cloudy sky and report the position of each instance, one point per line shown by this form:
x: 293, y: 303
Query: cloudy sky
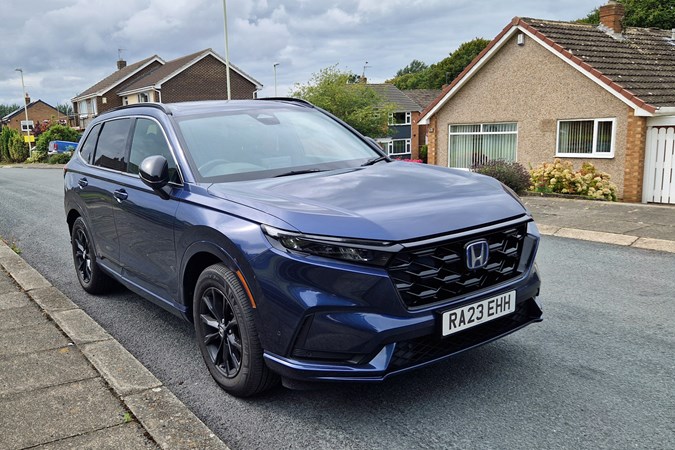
x: 65, y: 46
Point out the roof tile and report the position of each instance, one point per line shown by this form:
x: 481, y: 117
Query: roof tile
x: 639, y: 62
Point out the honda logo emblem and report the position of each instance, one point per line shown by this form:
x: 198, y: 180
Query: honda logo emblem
x: 477, y: 254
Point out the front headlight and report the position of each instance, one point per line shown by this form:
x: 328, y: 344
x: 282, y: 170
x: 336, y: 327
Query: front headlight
x: 376, y: 253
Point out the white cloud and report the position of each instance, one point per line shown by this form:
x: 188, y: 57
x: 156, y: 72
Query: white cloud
x: 65, y: 46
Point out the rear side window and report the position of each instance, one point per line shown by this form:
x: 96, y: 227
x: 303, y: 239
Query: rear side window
x: 111, y: 148
x: 87, y: 149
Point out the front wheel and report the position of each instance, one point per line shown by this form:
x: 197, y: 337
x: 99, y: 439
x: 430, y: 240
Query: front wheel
x: 90, y: 275
x: 227, y: 335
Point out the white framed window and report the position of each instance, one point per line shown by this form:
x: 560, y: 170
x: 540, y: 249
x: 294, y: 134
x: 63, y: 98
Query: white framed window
x: 478, y: 143
x: 586, y: 138
x: 400, y: 118
x: 143, y: 97
x: 398, y: 147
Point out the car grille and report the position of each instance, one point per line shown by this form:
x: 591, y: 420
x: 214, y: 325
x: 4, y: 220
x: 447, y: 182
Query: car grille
x: 427, y: 348
x: 438, y: 272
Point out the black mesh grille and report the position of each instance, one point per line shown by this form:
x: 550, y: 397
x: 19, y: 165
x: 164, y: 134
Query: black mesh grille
x: 427, y: 348
x: 438, y: 272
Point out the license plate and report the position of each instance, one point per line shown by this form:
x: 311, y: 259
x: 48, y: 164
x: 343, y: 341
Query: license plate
x: 474, y: 314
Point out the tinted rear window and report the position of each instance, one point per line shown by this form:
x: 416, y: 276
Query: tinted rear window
x: 111, y: 148
x: 87, y: 149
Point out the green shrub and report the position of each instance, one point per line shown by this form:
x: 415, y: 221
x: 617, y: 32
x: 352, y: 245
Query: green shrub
x: 18, y: 149
x: 512, y: 174
x: 424, y: 149
x: 561, y: 178
x: 5, y: 138
x: 60, y: 158
x: 55, y: 133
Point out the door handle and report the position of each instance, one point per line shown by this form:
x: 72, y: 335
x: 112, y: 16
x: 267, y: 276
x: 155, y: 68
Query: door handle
x: 83, y: 182
x: 120, y: 195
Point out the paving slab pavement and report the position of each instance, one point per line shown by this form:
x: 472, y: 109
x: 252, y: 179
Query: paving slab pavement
x: 66, y: 383
x: 646, y: 226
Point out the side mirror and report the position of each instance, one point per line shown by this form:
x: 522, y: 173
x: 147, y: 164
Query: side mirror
x: 154, y: 172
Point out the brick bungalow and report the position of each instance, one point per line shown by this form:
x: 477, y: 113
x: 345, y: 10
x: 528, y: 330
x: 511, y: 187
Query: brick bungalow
x: 38, y: 112
x: 199, y: 76
x: 546, y: 89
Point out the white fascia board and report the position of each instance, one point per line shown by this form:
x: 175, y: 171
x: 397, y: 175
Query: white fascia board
x: 637, y: 110
x: 136, y: 91
x: 238, y: 70
x: 661, y: 121
x: 479, y: 64
x: 158, y: 85
x: 104, y: 90
x: 190, y: 63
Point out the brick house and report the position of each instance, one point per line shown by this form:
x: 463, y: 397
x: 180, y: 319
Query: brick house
x: 405, y: 135
x: 544, y: 89
x: 38, y: 112
x: 199, y: 76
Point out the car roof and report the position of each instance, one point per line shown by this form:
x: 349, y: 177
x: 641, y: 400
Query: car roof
x: 208, y: 106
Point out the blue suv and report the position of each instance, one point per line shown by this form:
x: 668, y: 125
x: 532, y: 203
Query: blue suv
x: 297, y: 248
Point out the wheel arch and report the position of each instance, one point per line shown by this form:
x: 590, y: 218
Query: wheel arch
x: 198, y: 257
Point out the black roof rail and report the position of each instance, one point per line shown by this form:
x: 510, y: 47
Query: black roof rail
x: 290, y: 100
x: 159, y: 106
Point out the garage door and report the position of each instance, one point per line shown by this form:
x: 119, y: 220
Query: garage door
x: 659, y: 181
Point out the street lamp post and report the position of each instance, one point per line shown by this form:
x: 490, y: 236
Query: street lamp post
x: 227, y: 52
x: 275, y: 78
x: 25, y: 106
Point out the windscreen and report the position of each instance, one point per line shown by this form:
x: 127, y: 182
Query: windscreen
x: 268, y: 142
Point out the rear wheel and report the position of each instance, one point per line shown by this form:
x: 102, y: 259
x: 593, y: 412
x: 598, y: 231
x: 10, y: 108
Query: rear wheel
x: 90, y: 275
x: 227, y: 335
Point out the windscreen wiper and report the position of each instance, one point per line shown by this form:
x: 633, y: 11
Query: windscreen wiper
x: 298, y: 172
x: 370, y: 162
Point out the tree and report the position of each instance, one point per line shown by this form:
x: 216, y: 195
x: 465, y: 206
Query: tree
x: 6, y: 109
x: 5, y: 137
x: 65, y: 108
x: 642, y: 13
x: 355, y: 103
x: 415, y: 66
x: 18, y: 149
x: 444, y: 71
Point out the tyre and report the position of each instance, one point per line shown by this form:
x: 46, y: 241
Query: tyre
x: 91, y: 277
x: 227, y: 335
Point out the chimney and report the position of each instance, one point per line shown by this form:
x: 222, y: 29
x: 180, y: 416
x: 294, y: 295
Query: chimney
x: 121, y: 64
x: 611, y: 15
x: 27, y: 100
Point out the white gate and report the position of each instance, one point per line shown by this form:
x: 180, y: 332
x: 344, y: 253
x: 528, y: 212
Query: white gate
x: 659, y: 180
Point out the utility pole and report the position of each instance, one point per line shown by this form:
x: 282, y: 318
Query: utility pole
x: 227, y: 52
x: 25, y: 107
x: 275, y: 78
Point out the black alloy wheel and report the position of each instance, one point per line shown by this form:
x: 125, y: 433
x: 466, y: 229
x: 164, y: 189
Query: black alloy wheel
x: 90, y: 275
x: 226, y: 333
x: 222, y: 338
x: 82, y: 255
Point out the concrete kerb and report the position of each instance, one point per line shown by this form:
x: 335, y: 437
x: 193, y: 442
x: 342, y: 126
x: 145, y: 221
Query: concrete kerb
x: 661, y: 245
x: 166, y: 419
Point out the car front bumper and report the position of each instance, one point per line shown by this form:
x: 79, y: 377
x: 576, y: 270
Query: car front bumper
x: 401, y: 344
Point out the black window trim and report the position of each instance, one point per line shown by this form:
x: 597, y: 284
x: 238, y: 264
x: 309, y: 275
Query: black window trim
x: 166, y: 139
x: 127, y: 151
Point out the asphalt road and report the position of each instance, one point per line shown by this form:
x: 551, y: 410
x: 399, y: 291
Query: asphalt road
x: 599, y: 372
